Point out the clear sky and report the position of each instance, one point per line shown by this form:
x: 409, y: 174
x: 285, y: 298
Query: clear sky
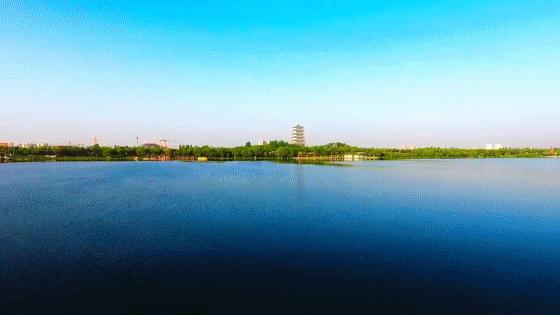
x: 369, y: 73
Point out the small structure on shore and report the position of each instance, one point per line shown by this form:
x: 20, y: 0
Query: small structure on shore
x: 314, y: 157
x: 164, y: 157
x: 353, y: 157
x: 4, y: 158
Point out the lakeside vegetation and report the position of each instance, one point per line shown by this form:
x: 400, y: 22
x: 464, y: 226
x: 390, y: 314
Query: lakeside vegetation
x: 275, y: 150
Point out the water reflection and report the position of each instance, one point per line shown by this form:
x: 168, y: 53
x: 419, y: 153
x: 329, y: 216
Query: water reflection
x: 299, y: 176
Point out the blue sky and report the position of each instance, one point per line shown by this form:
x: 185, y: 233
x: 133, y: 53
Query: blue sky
x: 370, y: 73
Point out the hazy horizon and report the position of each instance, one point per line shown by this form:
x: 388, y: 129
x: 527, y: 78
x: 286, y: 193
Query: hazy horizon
x: 371, y: 74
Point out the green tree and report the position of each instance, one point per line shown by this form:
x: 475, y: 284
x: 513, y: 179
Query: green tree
x: 140, y: 151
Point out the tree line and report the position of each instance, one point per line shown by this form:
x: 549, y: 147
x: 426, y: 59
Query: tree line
x: 274, y: 150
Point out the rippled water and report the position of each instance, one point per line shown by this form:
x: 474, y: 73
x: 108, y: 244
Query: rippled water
x: 450, y: 236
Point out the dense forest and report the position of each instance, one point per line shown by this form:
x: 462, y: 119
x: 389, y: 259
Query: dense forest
x: 275, y: 150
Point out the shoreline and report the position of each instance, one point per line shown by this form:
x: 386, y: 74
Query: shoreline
x: 290, y: 161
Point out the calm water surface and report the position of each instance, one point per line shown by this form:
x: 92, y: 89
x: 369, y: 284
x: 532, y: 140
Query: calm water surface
x: 453, y: 236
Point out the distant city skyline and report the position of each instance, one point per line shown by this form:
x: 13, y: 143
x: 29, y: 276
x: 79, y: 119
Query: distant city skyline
x: 367, y: 73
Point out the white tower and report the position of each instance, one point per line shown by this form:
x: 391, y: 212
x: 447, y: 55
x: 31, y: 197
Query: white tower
x: 298, y: 135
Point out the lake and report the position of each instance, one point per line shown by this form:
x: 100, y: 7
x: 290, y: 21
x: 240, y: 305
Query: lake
x: 426, y: 236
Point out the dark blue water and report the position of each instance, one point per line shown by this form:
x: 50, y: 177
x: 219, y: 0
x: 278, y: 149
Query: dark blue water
x: 454, y: 236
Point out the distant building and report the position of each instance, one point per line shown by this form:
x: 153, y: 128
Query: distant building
x: 27, y: 145
x: 494, y: 147
x: 163, y: 143
x: 6, y: 144
x: 151, y: 145
x: 298, y: 135
x: 262, y: 142
x: 408, y: 147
